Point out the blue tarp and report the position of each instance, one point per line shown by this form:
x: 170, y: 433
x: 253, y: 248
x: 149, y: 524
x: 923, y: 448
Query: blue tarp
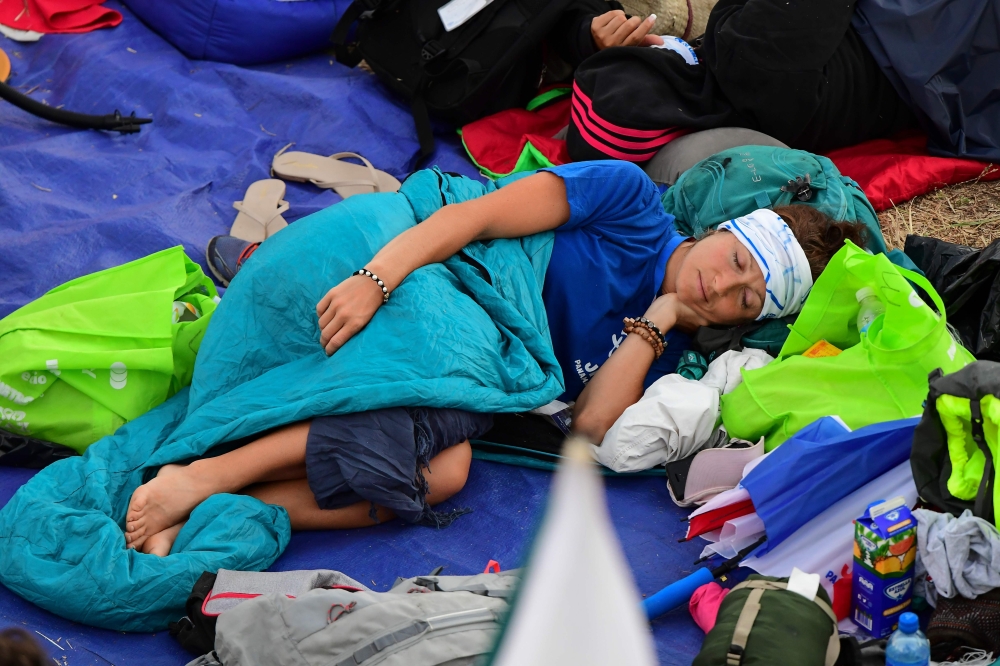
x: 74, y: 202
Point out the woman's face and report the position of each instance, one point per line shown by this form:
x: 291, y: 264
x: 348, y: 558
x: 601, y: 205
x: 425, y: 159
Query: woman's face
x: 720, y: 280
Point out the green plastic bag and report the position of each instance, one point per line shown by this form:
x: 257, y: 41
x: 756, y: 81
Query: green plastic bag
x: 879, y: 376
x: 101, y: 350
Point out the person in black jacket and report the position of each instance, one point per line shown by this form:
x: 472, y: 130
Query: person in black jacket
x: 793, y: 69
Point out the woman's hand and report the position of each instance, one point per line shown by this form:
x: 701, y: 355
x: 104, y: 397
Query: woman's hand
x: 668, y: 312
x: 614, y: 29
x: 346, y: 309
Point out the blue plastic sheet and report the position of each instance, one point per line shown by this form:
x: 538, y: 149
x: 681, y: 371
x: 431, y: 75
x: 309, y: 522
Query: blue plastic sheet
x: 74, y: 202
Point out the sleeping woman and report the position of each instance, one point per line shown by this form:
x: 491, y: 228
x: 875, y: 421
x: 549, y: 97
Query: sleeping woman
x: 621, y: 289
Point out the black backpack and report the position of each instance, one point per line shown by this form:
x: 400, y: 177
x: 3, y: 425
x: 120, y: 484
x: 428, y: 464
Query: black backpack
x: 489, y: 63
x: 930, y: 459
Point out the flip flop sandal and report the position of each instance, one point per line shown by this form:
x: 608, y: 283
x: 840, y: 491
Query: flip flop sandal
x: 260, y: 211
x: 345, y: 178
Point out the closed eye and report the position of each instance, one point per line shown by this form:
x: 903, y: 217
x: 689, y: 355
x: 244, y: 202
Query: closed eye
x: 736, y: 260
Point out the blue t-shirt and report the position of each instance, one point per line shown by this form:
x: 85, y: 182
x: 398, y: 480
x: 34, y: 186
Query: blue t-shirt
x: 608, y: 263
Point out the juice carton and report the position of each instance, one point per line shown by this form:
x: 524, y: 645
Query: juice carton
x: 885, y: 549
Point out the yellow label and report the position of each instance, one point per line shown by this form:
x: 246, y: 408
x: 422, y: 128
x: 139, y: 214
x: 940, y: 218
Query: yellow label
x: 895, y: 609
x: 821, y: 349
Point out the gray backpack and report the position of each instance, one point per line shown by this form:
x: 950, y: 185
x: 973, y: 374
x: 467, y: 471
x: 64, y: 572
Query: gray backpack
x: 421, y: 621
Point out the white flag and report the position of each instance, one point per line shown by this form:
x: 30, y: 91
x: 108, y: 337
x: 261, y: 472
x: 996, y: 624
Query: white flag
x: 578, y: 604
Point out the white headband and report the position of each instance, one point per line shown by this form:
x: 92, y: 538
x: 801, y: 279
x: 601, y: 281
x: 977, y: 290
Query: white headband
x: 772, y: 244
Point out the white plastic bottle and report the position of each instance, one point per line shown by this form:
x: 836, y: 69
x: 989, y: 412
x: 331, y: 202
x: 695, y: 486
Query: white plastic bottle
x: 871, y: 307
x: 908, y: 646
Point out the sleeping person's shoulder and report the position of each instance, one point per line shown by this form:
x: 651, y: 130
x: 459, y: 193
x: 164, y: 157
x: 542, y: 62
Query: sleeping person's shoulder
x: 610, y: 192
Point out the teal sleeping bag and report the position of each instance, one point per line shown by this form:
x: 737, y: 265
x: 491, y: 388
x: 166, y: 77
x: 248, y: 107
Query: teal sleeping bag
x: 470, y: 333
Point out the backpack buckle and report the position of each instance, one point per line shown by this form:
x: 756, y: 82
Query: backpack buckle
x: 432, y: 50
x: 799, y: 188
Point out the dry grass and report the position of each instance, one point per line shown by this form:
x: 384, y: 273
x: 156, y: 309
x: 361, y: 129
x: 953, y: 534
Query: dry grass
x: 967, y: 213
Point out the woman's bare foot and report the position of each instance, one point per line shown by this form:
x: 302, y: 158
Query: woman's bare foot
x: 164, y: 502
x: 161, y: 542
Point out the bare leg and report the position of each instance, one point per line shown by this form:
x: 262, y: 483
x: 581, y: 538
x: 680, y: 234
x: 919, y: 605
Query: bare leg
x: 169, y: 498
x: 446, y: 475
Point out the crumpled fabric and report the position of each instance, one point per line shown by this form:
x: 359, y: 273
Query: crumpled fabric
x: 704, y: 605
x: 58, y: 15
x: 726, y: 372
x: 676, y: 417
x: 961, y: 556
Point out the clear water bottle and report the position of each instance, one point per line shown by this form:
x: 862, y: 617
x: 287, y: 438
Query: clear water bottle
x: 871, y: 307
x: 908, y: 646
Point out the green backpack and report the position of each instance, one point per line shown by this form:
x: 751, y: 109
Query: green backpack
x: 762, y: 623
x: 741, y: 180
x: 102, y: 349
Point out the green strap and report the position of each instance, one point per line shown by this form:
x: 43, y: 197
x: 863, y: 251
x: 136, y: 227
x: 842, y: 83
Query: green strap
x: 547, y: 97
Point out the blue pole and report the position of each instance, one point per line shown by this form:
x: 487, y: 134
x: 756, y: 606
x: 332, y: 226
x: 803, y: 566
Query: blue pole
x: 676, y: 594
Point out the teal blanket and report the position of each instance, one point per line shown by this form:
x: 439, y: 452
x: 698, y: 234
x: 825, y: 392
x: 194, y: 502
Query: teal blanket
x: 470, y: 333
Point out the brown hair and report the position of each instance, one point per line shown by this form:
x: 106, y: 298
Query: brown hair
x: 819, y: 234
x: 18, y: 648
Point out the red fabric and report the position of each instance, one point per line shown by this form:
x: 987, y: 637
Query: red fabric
x: 57, y: 15
x: 496, y: 142
x: 896, y: 170
x: 715, y: 519
x: 888, y: 170
x: 704, y: 605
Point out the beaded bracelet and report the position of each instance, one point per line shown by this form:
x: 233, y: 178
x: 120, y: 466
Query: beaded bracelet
x: 648, y: 331
x: 378, y: 281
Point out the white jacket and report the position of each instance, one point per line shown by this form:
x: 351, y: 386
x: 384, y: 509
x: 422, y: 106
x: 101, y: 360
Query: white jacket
x: 676, y: 417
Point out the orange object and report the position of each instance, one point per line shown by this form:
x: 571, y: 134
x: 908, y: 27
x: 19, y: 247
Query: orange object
x: 903, y: 546
x: 4, y: 67
x: 821, y: 349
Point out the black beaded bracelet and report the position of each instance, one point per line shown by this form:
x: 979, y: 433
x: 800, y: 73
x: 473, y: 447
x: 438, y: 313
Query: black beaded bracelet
x: 653, y: 327
x: 378, y: 281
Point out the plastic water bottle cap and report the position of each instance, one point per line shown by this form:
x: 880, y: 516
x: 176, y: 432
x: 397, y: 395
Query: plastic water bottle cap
x: 864, y: 293
x: 909, y: 623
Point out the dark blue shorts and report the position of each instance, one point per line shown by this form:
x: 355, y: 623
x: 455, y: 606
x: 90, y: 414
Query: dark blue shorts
x: 378, y: 456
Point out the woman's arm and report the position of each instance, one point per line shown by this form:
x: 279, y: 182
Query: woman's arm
x: 618, y: 384
x: 528, y: 206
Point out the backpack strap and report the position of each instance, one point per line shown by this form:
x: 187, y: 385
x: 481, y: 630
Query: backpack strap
x: 985, y: 493
x: 358, y: 9
x: 748, y: 615
x: 751, y: 607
